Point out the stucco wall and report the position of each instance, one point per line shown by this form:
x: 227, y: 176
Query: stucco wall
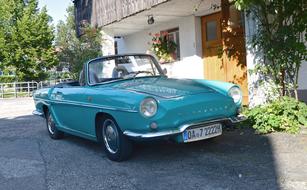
x: 190, y: 64
x: 108, y: 44
x: 256, y: 93
x: 302, y: 79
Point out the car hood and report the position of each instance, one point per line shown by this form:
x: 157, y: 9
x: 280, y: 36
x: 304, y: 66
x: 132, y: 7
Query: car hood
x: 164, y: 87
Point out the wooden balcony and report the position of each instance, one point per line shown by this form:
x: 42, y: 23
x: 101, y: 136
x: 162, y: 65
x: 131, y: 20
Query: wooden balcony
x: 124, y: 17
x: 103, y: 12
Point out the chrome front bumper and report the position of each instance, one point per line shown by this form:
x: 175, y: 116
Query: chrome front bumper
x: 230, y: 120
x: 38, y: 113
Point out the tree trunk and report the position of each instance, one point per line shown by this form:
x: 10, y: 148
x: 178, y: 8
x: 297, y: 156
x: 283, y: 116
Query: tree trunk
x: 283, y: 85
x: 295, y: 94
x: 296, y: 79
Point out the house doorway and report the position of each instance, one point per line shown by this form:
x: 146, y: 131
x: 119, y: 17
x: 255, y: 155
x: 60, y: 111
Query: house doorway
x: 223, y: 46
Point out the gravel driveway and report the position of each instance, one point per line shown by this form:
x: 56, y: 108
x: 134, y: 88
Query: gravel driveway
x: 29, y: 159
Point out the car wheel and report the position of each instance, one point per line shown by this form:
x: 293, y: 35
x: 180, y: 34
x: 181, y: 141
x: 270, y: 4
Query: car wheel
x: 118, y: 147
x: 53, y: 132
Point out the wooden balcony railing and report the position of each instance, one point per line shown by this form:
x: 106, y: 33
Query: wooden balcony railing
x: 104, y: 12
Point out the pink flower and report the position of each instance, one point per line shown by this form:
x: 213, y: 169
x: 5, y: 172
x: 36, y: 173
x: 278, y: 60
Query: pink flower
x: 164, y: 33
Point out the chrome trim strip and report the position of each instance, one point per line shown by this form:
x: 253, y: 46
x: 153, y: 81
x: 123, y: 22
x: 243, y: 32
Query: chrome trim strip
x: 74, y: 103
x: 182, y: 128
x: 238, y: 119
x: 38, y: 113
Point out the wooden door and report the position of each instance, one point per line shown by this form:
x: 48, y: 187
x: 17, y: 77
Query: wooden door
x: 212, y: 44
x: 224, y: 51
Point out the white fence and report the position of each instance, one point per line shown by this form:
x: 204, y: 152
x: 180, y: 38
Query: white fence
x: 25, y: 89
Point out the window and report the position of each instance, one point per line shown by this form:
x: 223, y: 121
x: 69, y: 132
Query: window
x: 115, y: 47
x: 173, y: 35
x: 211, y: 30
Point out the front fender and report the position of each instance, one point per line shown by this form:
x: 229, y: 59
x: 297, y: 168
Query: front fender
x: 219, y: 86
x: 41, y: 98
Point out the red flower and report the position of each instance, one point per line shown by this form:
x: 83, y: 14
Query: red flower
x: 164, y: 33
x: 157, y: 34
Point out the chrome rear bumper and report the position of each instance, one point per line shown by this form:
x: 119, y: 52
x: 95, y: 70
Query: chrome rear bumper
x: 230, y: 120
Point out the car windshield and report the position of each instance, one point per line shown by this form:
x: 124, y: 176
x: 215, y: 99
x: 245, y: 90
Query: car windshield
x: 121, y: 67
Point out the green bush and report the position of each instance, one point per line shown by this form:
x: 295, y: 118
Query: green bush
x: 285, y: 114
x: 59, y: 75
x: 7, y: 79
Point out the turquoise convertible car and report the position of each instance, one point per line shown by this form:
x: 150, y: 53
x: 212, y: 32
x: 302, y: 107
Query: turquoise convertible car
x: 123, y: 98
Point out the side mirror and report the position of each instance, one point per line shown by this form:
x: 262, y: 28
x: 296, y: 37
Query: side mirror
x: 165, y: 71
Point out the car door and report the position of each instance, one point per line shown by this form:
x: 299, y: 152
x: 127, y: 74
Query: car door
x: 68, y: 106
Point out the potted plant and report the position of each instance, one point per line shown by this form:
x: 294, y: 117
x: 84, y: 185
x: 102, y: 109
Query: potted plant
x: 163, y: 47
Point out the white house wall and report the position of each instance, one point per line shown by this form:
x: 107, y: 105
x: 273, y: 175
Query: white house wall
x: 302, y: 82
x: 302, y: 79
x: 107, y: 44
x: 256, y: 93
x: 190, y: 65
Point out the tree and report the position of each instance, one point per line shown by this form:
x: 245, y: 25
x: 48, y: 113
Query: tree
x: 280, y: 39
x: 73, y: 52
x: 26, y: 40
x: 10, y: 12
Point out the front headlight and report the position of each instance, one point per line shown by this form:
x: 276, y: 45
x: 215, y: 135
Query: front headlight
x: 236, y: 94
x: 148, y: 107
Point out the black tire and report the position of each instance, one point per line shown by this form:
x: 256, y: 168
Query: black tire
x: 53, y: 132
x: 117, y: 146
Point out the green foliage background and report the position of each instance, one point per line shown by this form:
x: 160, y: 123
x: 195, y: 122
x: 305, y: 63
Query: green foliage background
x: 279, y: 42
x: 74, y: 51
x: 279, y: 46
x: 7, y: 79
x: 26, y: 40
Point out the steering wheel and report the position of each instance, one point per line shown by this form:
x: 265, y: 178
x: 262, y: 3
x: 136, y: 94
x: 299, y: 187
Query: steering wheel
x: 139, y: 72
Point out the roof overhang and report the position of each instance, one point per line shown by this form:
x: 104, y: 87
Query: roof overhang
x: 162, y: 13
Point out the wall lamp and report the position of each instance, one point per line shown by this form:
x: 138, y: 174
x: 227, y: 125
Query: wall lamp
x: 150, y: 19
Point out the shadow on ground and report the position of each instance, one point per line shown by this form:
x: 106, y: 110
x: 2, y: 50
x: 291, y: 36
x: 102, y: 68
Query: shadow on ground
x: 236, y: 160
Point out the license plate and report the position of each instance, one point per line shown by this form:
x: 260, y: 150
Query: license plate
x: 201, y: 133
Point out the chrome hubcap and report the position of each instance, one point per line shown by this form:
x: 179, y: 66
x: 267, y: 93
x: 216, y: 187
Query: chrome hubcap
x: 50, y: 123
x: 110, y: 136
